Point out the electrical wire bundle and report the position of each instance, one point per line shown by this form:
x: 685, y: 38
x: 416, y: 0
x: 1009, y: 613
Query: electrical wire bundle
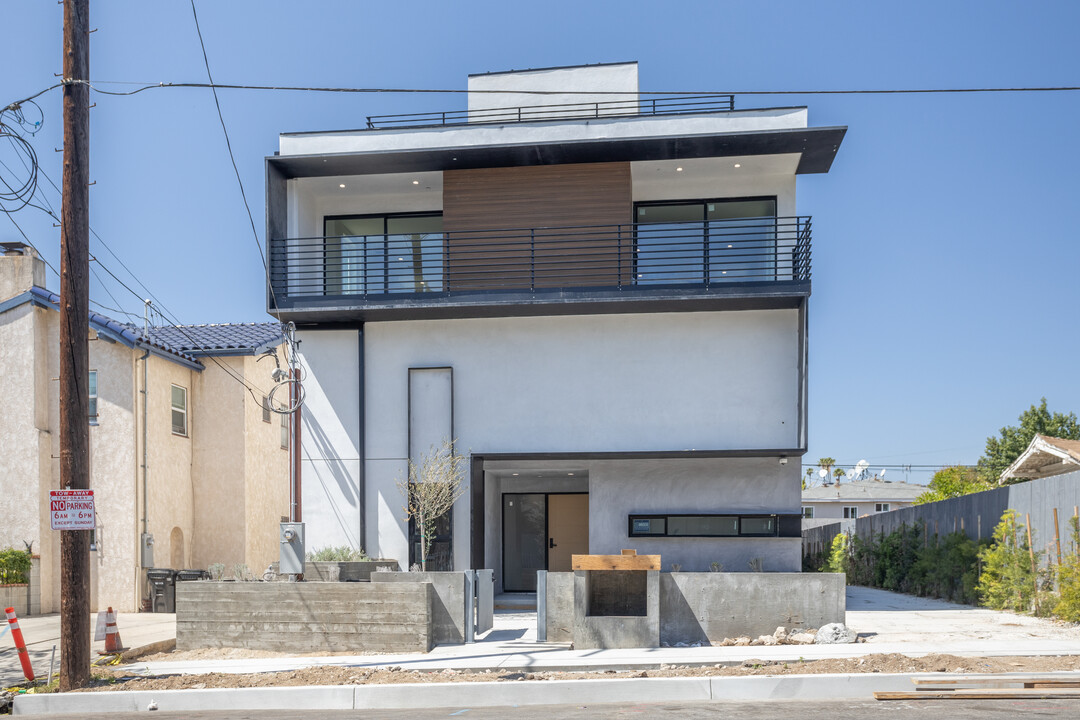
x: 18, y: 187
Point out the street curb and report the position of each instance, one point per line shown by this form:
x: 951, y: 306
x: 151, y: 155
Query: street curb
x: 466, y: 695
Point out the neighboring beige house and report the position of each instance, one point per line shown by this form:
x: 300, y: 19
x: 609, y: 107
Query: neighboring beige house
x: 216, y: 478
x: 829, y: 503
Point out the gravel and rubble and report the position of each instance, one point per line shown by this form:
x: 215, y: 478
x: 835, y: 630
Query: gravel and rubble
x: 111, y: 680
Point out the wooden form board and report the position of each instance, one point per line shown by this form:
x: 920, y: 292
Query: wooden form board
x: 616, y: 562
x: 983, y: 694
x: 1026, y: 681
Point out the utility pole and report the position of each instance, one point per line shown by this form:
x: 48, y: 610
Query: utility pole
x: 74, y: 350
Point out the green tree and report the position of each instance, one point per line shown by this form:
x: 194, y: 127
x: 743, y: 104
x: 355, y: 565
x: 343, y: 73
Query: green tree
x: 952, y: 482
x: 1007, y: 581
x: 433, y: 486
x: 826, y: 463
x: 1006, y: 447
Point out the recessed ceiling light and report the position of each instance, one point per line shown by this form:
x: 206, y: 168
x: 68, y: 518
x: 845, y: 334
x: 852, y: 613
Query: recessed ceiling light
x: 400, y: 259
x: 415, y: 182
x: 678, y: 169
x: 730, y: 246
x: 738, y: 165
x: 342, y: 186
x: 570, y: 474
x: 515, y: 474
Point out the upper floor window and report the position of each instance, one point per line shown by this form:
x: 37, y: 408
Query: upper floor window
x: 285, y: 430
x: 266, y: 409
x: 92, y: 392
x: 377, y: 254
x: 179, y: 411
x: 705, y: 240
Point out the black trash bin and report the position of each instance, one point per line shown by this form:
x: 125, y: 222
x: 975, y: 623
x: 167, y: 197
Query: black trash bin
x: 186, y: 575
x: 162, y: 590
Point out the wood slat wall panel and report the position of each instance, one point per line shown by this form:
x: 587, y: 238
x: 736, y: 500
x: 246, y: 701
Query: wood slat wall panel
x: 537, y: 197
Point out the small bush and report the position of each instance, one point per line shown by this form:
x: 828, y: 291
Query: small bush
x: 14, y: 567
x: 837, y: 555
x: 344, y: 553
x: 1068, y: 604
x: 1007, y: 581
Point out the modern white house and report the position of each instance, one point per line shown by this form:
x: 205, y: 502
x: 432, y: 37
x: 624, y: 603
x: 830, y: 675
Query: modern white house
x: 599, y: 295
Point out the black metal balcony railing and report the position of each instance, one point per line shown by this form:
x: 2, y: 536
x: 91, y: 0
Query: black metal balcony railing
x: 566, y: 111
x: 605, y: 257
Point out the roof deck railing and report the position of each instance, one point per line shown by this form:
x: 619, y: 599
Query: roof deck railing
x: 678, y: 105
x: 604, y: 257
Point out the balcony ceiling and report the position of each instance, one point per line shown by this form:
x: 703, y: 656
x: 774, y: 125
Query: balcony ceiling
x: 815, y: 148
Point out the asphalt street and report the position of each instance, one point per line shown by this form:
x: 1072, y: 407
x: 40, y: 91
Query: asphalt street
x: 775, y: 710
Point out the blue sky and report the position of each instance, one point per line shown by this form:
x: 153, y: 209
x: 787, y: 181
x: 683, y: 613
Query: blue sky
x: 945, y: 237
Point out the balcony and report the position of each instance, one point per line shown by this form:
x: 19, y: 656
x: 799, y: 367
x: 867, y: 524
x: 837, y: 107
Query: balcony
x: 442, y: 274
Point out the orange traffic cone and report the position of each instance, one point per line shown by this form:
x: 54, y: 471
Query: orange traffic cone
x: 113, y: 644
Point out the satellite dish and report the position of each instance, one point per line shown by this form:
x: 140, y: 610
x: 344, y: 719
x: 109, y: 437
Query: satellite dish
x: 822, y: 472
x: 882, y: 473
x: 850, y: 473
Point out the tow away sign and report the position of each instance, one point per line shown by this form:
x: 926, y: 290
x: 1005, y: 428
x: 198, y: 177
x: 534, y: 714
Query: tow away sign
x: 72, y: 509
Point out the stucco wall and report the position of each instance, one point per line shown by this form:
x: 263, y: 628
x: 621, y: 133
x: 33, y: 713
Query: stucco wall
x: 113, y: 476
x: 266, y: 471
x: 170, y: 489
x: 21, y: 441
x: 219, y: 466
x: 330, y: 438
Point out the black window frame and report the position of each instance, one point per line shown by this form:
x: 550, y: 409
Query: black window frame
x: 780, y: 521
x: 705, y: 238
x: 384, y: 283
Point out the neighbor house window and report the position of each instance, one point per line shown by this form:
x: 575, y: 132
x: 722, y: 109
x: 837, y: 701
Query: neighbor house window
x: 266, y: 409
x: 285, y: 431
x: 808, y: 512
x: 851, y: 511
x: 92, y: 391
x: 179, y: 411
x: 881, y: 507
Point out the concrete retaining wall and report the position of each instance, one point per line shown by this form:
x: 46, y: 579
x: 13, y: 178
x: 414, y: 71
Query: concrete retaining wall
x: 707, y: 607
x: 305, y: 617
x: 448, y: 608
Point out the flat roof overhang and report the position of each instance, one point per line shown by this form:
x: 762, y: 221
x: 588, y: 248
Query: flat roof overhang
x: 772, y: 295
x: 816, y: 146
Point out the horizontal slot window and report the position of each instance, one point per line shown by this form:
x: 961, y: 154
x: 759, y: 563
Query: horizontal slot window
x: 704, y: 525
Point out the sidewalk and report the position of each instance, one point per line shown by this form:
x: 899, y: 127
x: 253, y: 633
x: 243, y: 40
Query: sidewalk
x: 41, y: 632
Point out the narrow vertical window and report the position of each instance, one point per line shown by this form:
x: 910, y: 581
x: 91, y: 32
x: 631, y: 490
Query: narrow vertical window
x: 179, y: 411
x: 92, y: 392
x: 808, y: 512
x: 266, y: 409
x: 285, y: 431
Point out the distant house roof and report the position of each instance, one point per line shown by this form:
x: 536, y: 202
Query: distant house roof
x: 183, y: 344
x: 864, y: 490
x: 1045, y: 456
x: 220, y: 338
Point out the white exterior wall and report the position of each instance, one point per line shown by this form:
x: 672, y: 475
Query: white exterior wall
x: 602, y: 383
x: 564, y: 83
x: 330, y: 438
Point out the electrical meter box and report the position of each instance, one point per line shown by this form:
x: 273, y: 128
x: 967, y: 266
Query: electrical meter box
x: 291, y: 558
x: 146, y: 550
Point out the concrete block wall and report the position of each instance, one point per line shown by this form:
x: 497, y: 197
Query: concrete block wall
x: 447, y: 601
x: 307, y: 617
x: 707, y: 607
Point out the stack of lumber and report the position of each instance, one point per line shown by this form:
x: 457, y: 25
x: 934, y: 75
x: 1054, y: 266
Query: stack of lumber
x: 990, y: 687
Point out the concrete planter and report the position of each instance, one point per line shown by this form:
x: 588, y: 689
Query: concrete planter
x: 305, y: 617
x: 449, y: 597
x: 707, y: 607
x: 350, y: 571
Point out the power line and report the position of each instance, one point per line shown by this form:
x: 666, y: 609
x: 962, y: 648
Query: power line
x: 232, y: 158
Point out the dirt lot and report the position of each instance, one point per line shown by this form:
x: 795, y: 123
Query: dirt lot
x: 336, y: 675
